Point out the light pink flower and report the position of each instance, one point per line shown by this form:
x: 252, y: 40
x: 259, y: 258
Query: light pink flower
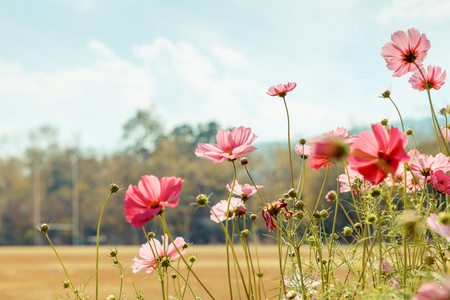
x: 445, y: 133
x: 357, y: 182
x: 422, y: 165
x: 281, y: 89
x: 329, y: 148
x: 433, y: 79
x: 144, y: 201
x: 310, y: 284
x: 376, y: 155
x: 230, y: 145
x: 153, y: 253
x: 431, y: 291
x: 441, y: 181
x: 405, y: 50
x: 437, y: 226
x: 220, y: 213
x: 244, y: 191
x: 304, y: 151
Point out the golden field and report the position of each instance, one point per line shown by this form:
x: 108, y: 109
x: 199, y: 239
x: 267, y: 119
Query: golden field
x: 35, y: 272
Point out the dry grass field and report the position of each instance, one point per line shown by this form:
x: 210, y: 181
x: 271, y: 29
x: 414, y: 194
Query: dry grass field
x: 35, y: 272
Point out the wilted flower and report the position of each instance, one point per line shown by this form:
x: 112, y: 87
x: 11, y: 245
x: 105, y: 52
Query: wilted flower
x: 271, y: 211
x: 230, y: 145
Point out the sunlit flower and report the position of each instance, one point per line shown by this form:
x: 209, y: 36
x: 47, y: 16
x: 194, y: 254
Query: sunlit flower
x: 154, y: 254
x: 310, y: 283
x: 441, y: 181
x: 244, y: 191
x: 356, y: 183
x: 376, y: 155
x: 304, y: 151
x: 405, y: 50
x: 440, y: 224
x: 329, y: 148
x: 445, y: 133
x: 144, y: 201
x: 281, y: 89
x: 433, y: 79
x: 230, y: 145
x: 423, y: 165
x: 220, y: 213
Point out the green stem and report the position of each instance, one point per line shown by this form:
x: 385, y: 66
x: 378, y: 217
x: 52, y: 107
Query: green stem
x: 399, y: 114
x: 289, y: 142
x: 98, y: 241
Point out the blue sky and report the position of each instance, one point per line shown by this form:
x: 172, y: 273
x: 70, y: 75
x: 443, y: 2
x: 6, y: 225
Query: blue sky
x: 86, y: 66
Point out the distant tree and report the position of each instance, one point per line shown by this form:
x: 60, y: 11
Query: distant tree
x: 141, y: 132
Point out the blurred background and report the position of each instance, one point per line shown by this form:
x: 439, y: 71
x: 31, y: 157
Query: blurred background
x: 95, y: 92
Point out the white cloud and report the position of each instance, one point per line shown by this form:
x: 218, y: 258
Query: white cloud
x: 429, y: 11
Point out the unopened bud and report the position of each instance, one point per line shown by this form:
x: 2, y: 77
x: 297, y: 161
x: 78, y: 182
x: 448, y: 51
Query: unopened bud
x: 253, y: 217
x: 174, y: 275
x: 185, y: 246
x: 44, y: 227
x: 375, y: 192
x: 384, y: 122
x: 334, y: 236
x: 291, y: 295
x: 357, y: 225
x: 292, y: 193
x: 386, y: 94
x: 302, y: 141
x: 429, y: 259
x: 114, y: 188
x: 348, y: 231
x: 299, y: 205
x: 245, y: 233
x: 192, y: 258
x: 299, y: 215
x: 151, y: 235
x: 371, y: 218
x: 113, y: 253
x: 331, y: 196
x: 409, y: 131
x: 244, y: 161
x: 66, y: 284
x: 324, y: 214
x: 202, y: 200
x: 240, y: 210
x: 111, y: 297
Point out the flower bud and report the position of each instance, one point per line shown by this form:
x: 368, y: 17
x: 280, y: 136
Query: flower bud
x: 371, y: 218
x: 324, y: 214
x: 375, y: 192
x: 165, y: 262
x: 111, y: 297
x: 244, y: 161
x: 316, y: 215
x: 173, y: 275
x: 384, y: 122
x: 185, y: 246
x: 409, y: 131
x: 299, y: 205
x: 44, y: 227
x: 151, y: 235
x: 66, y: 284
x: 386, y: 94
x: 245, y: 233
x: 299, y: 215
x: 240, y: 210
x: 202, y: 200
x: 260, y: 274
x: 357, y: 225
x: 331, y: 196
x: 253, y: 217
x: 292, y: 193
x: 291, y: 295
x: 114, y: 188
x: 428, y: 259
x: 302, y: 141
x: 334, y: 236
x: 113, y: 253
x: 192, y: 258
x: 348, y: 231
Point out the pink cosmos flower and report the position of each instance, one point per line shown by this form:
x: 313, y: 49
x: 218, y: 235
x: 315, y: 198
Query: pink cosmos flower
x: 441, y: 181
x: 445, y: 133
x: 310, y: 284
x: 304, y: 151
x: 423, y: 165
x: 329, y: 148
x: 376, y: 155
x: 405, y: 50
x: 152, y: 254
x: 281, y: 89
x: 433, y: 79
x: 144, y: 201
x: 431, y: 291
x: 244, y: 191
x: 357, y: 182
x: 230, y: 145
x: 219, y: 211
x: 435, y: 224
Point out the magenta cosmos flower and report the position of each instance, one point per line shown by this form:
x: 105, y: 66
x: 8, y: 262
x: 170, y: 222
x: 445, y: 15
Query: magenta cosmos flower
x: 440, y: 181
x: 220, y: 213
x: 144, y: 201
x: 374, y: 156
x: 281, y: 89
x: 230, y: 145
x: 153, y: 254
x: 433, y: 79
x: 405, y: 50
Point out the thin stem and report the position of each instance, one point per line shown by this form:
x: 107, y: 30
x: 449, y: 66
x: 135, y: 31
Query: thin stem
x: 289, y: 143
x: 398, y: 111
x: 98, y: 241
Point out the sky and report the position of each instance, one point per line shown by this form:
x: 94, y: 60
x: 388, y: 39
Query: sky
x: 86, y: 66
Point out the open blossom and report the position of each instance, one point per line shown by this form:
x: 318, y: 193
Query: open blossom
x: 244, y: 191
x: 329, y: 148
x: 220, y: 213
x: 144, y: 201
x: 432, y: 291
x: 376, y: 155
x: 405, y: 50
x: 441, y: 181
x: 152, y: 254
x: 356, y: 183
x: 440, y: 224
x: 281, y: 89
x: 230, y: 145
x: 310, y: 284
x: 433, y: 79
x: 304, y: 151
x: 423, y: 165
